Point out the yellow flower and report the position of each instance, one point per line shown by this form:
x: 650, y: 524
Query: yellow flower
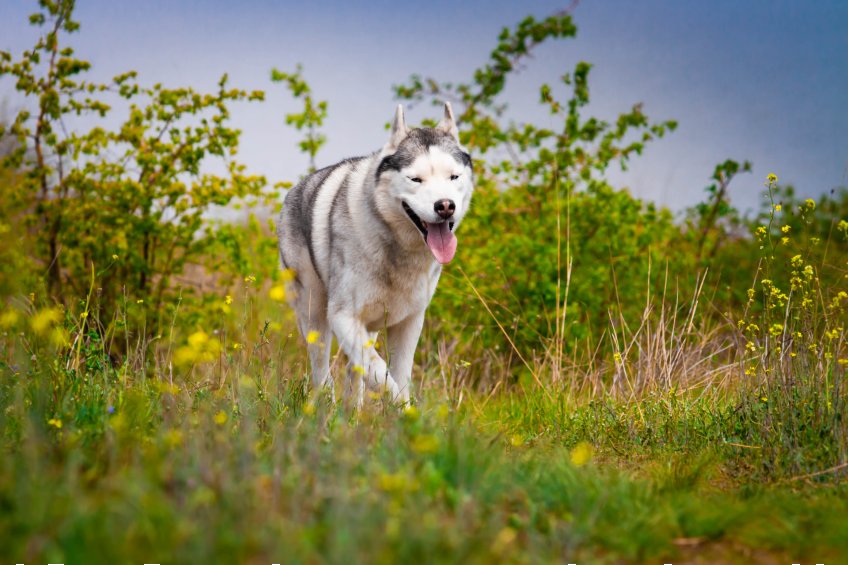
x: 249, y: 279
x: 425, y: 443
x: 8, y: 319
x: 582, y: 453
x: 237, y: 346
x: 44, y: 319
x: 228, y: 300
x: 784, y: 240
x: 55, y: 422
x: 785, y: 229
x: 772, y: 178
x: 369, y: 343
x: 312, y: 336
x: 197, y: 339
x: 140, y: 301
x: 220, y: 418
x: 114, y: 257
x: 411, y: 412
x: 778, y: 207
x: 277, y: 293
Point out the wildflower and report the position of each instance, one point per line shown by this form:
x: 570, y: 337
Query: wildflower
x: 842, y: 362
x: 811, y: 204
x: 425, y: 443
x: 784, y: 240
x: 411, y: 412
x: 110, y: 409
x: 786, y: 229
x: 516, y: 440
x: 772, y: 178
x: 220, y: 418
x: 312, y: 336
x: 59, y: 337
x: 44, y: 319
x: 173, y: 438
x: 83, y: 315
x: 369, y: 343
x: 505, y: 538
x: 617, y: 357
x: 308, y: 409
x: 55, y: 422
x: 140, y: 301
x: 277, y: 293
x: 197, y: 339
x: 778, y: 207
x: 228, y: 300
x: 114, y: 257
x: 8, y: 319
x: 250, y: 279
x: 237, y: 346
x: 582, y: 453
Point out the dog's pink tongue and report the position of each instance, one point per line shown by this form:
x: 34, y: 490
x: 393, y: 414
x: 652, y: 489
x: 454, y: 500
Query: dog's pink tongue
x: 441, y: 241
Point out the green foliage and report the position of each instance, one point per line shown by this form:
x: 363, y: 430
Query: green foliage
x: 715, y: 220
x: 311, y: 118
x: 567, y: 244
x: 129, y: 206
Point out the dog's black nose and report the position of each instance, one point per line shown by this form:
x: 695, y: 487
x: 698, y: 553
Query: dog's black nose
x: 445, y: 208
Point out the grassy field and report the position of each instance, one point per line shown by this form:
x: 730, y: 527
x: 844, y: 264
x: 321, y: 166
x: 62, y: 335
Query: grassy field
x: 233, y: 462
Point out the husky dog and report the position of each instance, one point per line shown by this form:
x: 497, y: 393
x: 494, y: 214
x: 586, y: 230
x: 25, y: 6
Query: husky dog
x: 366, y: 239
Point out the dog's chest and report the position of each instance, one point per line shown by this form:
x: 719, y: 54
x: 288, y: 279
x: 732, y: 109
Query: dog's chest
x: 395, y: 296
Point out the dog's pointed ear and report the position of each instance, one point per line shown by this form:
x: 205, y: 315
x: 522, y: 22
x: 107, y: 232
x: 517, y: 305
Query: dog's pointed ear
x: 399, y: 131
x: 448, y: 123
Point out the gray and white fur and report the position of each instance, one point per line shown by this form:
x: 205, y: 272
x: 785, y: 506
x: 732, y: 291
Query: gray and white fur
x: 366, y: 239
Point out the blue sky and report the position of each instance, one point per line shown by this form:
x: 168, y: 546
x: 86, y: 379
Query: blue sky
x: 759, y: 80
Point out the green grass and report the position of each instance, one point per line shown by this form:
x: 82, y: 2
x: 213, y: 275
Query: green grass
x: 144, y: 471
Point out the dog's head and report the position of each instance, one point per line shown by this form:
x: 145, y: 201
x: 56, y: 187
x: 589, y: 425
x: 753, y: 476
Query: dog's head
x: 428, y: 176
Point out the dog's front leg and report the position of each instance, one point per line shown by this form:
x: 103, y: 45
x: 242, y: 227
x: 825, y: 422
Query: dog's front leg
x: 402, y: 340
x: 353, y: 338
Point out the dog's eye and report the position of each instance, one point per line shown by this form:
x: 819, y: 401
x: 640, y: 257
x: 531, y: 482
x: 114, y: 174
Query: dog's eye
x: 416, y: 179
x: 454, y: 177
